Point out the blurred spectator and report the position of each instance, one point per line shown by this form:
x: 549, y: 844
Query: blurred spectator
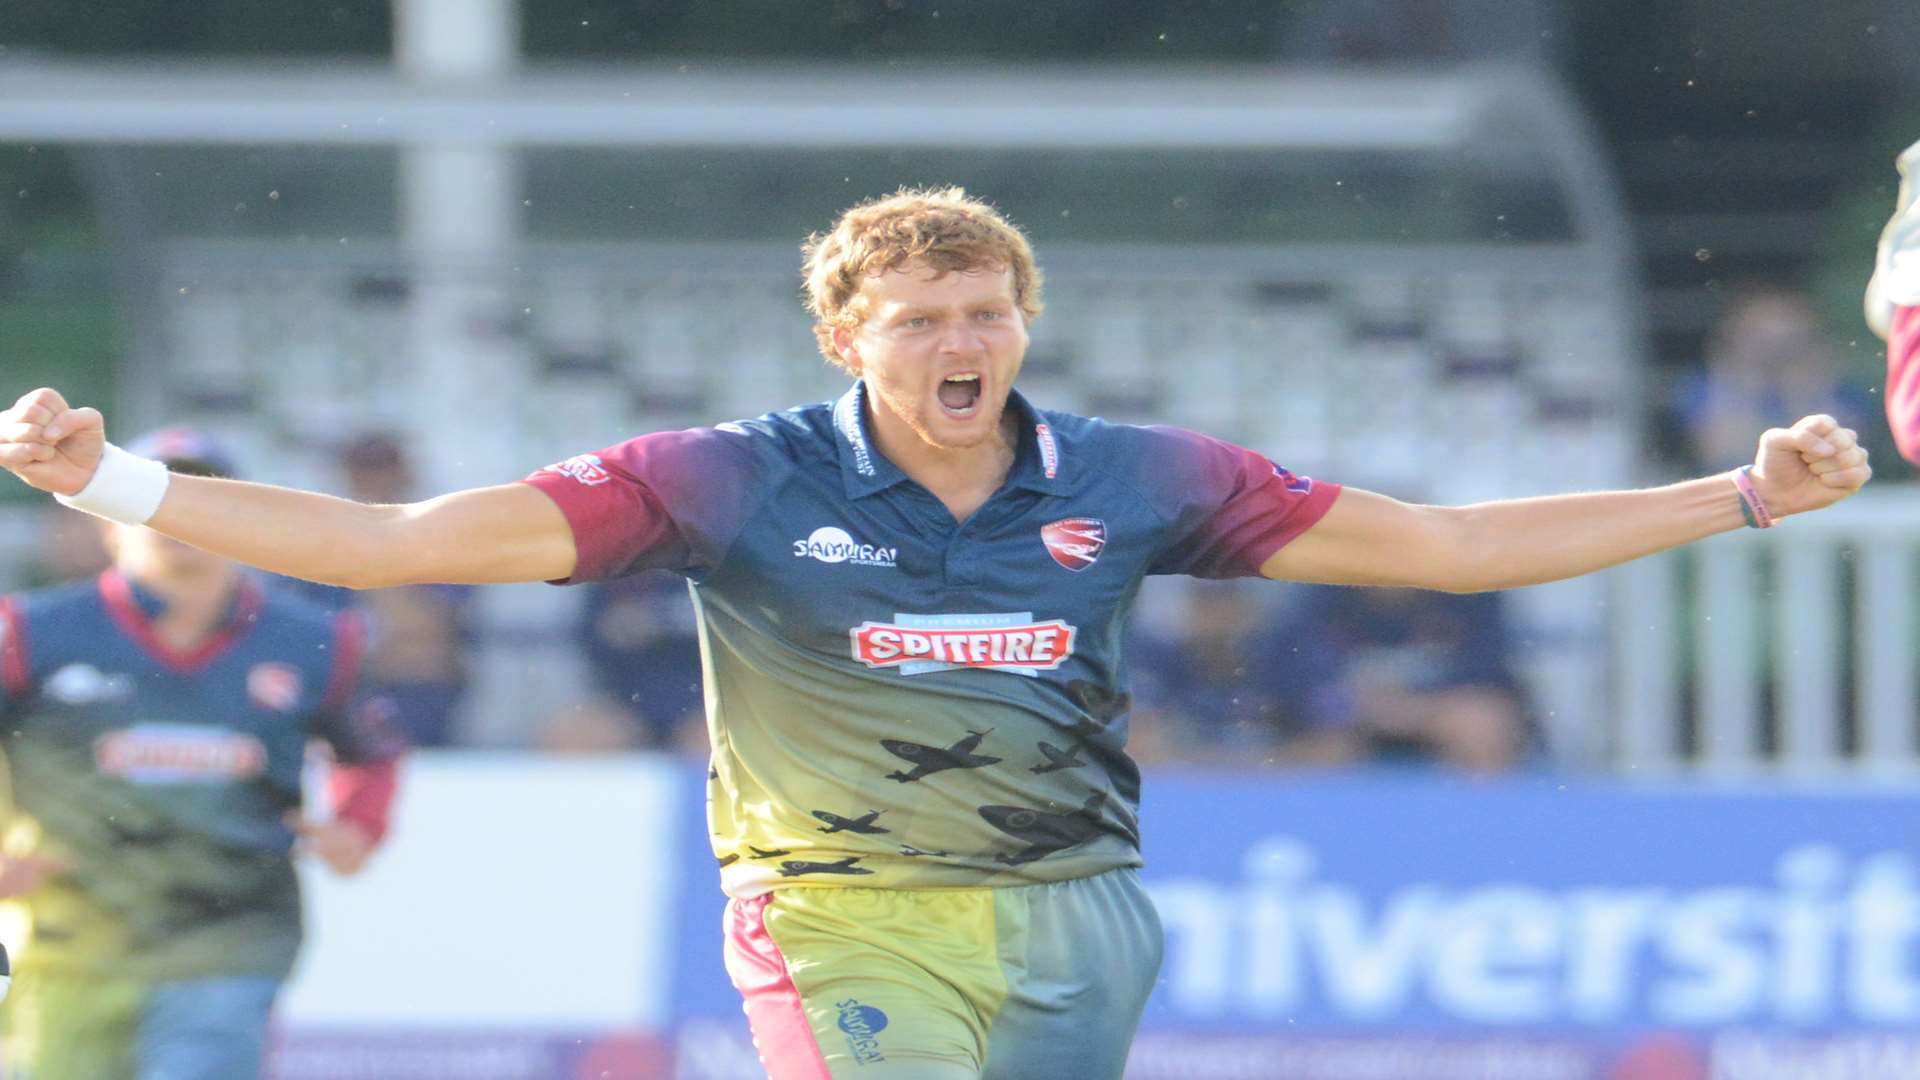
x: 1204, y: 682
x: 418, y: 658
x: 1397, y: 675
x: 70, y: 548
x: 1768, y: 357
x: 644, y: 658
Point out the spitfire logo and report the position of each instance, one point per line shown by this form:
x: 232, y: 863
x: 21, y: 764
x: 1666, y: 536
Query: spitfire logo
x: 917, y: 644
x: 274, y: 686
x: 586, y: 468
x: 1075, y: 542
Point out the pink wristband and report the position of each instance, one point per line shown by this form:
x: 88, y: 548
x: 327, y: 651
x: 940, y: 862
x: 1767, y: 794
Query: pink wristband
x: 1751, y: 508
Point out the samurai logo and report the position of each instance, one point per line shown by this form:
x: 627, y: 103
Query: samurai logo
x: 1075, y: 542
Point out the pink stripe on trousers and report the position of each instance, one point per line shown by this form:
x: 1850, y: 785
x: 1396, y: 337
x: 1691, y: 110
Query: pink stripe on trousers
x: 788, y: 1050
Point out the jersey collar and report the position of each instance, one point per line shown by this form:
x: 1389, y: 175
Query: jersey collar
x: 1038, y: 462
x: 135, y: 608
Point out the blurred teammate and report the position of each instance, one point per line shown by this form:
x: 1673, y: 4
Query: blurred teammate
x: 1893, y: 307
x: 157, y: 720
x: 911, y: 601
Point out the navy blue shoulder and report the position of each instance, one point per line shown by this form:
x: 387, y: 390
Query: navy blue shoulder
x: 60, y: 622
x: 56, y: 600
x: 801, y: 434
x: 74, y: 608
x: 1125, y: 450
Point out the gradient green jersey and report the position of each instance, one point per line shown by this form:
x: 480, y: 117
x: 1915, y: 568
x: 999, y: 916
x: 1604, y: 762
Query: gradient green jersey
x: 898, y: 699
x: 162, y: 776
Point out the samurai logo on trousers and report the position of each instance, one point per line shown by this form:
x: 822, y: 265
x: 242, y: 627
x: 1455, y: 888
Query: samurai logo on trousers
x: 1075, y: 542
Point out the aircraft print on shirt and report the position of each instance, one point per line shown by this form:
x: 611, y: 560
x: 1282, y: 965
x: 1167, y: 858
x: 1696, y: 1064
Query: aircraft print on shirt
x: 1103, y: 707
x: 796, y: 867
x: 862, y: 824
x: 1043, y: 831
x: 928, y: 760
x: 1057, y: 759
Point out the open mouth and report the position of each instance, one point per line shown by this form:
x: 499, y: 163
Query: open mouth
x: 960, y: 394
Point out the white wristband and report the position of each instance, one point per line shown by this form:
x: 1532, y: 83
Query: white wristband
x: 125, y: 488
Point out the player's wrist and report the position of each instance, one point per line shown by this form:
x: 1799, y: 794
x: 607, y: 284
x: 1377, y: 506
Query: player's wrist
x: 1753, y: 506
x: 125, y: 487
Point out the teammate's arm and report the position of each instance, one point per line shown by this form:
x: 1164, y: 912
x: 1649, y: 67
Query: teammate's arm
x: 498, y: 534
x: 1893, y: 306
x: 1903, y: 382
x: 1369, y: 539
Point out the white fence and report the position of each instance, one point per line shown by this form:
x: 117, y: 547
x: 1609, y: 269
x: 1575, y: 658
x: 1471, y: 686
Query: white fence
x: 1790, y: 650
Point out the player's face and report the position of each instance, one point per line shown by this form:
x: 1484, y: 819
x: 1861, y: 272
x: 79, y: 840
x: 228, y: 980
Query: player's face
x: 939, y: 353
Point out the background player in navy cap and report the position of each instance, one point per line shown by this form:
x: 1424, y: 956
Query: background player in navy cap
x: 157, y: 720
x: 911, y: 603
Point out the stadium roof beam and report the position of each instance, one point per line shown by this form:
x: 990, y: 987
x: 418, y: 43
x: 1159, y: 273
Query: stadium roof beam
x: 1060, y: 108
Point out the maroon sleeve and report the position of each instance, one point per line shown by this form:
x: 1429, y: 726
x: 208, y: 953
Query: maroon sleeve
x: 13, y: 652
x: 668, y: 501
x: 362, y: 728
x: 1233, y: 508
x: 1903, y: 382
x: 363, y: 794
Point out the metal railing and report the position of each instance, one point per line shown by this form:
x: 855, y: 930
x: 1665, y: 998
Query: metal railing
x: 1791, y: 650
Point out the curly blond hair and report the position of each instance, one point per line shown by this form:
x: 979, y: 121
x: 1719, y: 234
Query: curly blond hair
x: 944, y: 228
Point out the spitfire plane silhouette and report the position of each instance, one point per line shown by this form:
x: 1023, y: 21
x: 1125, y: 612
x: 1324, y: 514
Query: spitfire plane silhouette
x: 862, y: 824
x: 796, y: 867
x: 774, y: 854
x: 1043, y: 831
x: 928, y: 760
x: 1057, y: 759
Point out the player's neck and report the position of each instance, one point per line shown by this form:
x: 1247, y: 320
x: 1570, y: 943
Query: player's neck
x: 194, y: 607
x: 962, y: 478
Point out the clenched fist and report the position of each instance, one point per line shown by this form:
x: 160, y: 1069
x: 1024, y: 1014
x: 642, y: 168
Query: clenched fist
x: 50, y: 444
x: 1812, y: 464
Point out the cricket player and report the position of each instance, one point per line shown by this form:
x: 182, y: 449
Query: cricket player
x: 156, y: 725
x: 911, y: 601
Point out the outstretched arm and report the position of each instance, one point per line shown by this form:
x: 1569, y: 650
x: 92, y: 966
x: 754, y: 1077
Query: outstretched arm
x: 1369, y: 539
x: 511, y: 532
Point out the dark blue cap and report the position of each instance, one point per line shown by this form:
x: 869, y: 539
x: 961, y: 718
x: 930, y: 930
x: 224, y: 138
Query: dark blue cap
x: 186, y: 450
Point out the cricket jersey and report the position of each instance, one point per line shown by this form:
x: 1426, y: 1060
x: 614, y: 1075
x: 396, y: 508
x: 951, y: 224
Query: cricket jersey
x: 898, y: 699
x: 162, y: 777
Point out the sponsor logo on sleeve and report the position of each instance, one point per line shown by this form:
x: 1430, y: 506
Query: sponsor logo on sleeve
x: 588, y: 469
x: 1075, y: 542
x: 1300, y: 484
x: 274, y: 685
x: 831, y: 545
x: 179, y: 753
x: 917, y: 644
